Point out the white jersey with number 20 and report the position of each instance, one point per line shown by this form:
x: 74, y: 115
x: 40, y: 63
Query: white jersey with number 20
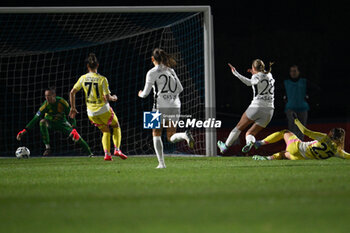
x: 166, y: 87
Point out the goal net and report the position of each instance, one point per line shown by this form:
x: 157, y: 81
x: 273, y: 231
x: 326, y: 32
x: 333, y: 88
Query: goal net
x: 49, y: 47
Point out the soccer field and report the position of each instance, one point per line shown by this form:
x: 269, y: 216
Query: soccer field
x: 192, y: 195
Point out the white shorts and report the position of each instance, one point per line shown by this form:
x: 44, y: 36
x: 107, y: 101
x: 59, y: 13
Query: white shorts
x: 102, y: 110
x: 260, y: 115
x: 169, y: 114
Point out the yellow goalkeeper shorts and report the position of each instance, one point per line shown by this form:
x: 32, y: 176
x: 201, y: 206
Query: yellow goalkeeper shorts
x: 293, y: 148
x: 105, y: 119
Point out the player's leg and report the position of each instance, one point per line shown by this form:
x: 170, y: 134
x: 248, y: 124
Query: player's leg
x: 106, y: 141
x: 288, y: 156
x: 234, y: 134
x: 83, y: 144
x: 285, y: 135
x: 106, y: 135
x: 273, y: 138
x: 277, y: 156
x: 292, y: 146
x: 173, y: 115
x: 250, y: 137
x: 261, y: 117
x: 66, y: 128
x: 44, y: 130
x: 110, y: 119
x: 158, y: 147
x: 117, y: 138
x: 174, y: 137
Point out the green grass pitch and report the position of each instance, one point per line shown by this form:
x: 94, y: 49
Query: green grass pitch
x: 192, y: 195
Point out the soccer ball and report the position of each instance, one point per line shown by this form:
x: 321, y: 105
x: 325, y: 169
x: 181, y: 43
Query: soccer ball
x: 22, y: 152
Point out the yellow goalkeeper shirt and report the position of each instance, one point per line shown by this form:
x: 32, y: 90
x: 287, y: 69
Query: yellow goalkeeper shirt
x: 95, y: 87
x: 321, y: 148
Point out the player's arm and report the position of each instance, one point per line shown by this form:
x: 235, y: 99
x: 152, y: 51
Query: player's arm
x: 311, y: 134
x: 245, y: 80
x: 106, y: 92
x: 343, y: 154
x: 73, y: 110
x: 109, y: 97
x: 148, y: 86
x: 41, y: 112
x: 77, y: 86
x: 179, y: 88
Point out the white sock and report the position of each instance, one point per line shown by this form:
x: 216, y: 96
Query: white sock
x: 232, y: 137
x: 250, y: 139
x: 47, y: 146
x: 158, y: 147
x: 178, y: 137
x: 161, y: 166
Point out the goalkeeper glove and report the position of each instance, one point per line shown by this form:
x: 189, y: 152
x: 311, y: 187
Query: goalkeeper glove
x: 75, y: 136
x: 20, y: 134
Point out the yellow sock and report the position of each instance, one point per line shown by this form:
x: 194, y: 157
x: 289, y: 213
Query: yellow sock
x: 275, y: 137
x: 278, y: 155
x: 117, y: 137
x: 106, y: 142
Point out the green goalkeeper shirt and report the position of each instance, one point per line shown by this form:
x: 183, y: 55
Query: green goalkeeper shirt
x: 56, y: 113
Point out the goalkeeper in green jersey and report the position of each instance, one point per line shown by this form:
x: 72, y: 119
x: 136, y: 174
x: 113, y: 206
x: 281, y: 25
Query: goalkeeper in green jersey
x: 55, y: 111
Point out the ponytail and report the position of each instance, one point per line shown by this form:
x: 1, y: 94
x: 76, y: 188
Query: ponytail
x: 163, y: 58
x: 92, y: 61
x: 270, y: 67
x: 260, y: 66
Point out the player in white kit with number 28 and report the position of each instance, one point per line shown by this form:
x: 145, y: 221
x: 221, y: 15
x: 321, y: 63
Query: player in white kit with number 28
x: 260, y: 111
x: 166, y: 87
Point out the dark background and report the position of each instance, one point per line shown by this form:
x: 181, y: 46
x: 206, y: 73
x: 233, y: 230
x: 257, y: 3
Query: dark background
x: 311, y: 35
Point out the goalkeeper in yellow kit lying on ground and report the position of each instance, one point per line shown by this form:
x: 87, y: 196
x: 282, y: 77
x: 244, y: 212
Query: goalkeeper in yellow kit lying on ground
x: 55, y: 111
x: 324, y: 145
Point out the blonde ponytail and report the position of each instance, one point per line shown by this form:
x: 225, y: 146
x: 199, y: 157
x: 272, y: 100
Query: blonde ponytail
x: 259, y: 65
x: 270, y: 67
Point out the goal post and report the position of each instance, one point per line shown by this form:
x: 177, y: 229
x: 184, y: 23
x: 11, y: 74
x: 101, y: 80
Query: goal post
x: 20, y: 57
x: 210, y: 103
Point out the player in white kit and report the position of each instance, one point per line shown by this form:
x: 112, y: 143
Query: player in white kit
x: 260, y: 111
x: 166, y: 87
